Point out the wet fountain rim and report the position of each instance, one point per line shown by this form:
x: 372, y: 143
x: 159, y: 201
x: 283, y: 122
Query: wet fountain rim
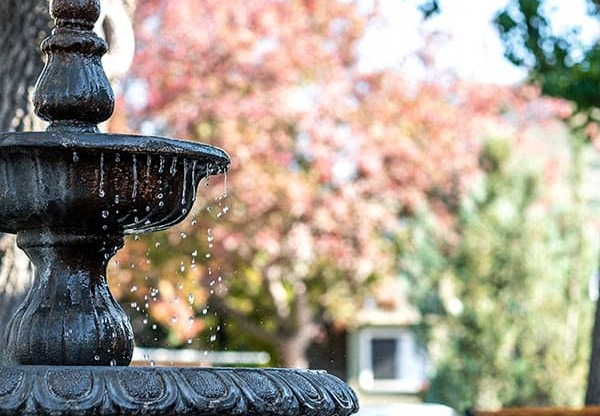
x: 110, y: 142
x: 207, y: 391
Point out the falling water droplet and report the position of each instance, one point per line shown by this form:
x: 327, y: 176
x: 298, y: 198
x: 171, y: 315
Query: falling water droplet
x: 105, y: 214
x: 133, y: 289
x: 213, y: 338
x: 113, y: 362
x: 194, y: 222
x: 157, y: 244
x: 75, y: 157
x: 174, y: 319
x: 117, y: 199
x: 182, y: 235
x: 96, y: 357
x: 191, y: 301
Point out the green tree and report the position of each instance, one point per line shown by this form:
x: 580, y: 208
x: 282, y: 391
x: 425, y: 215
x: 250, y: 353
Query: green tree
x: 563, y: 66
x: 498, y: 302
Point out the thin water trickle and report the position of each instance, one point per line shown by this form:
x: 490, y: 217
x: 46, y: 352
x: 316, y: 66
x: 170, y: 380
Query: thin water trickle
x: 101, y: 184
x: 135, y: 177
x: 161, y: 164
x: 148, y: 166
x: 194, y: 180
x: 184, y: 185
x: 173, y: 168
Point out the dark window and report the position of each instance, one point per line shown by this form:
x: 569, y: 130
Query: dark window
x: 384, y: 358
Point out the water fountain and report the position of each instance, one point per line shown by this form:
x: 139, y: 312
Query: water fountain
x: 70, y: 194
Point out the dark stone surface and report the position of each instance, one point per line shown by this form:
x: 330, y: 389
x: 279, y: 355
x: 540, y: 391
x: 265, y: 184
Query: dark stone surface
x: 70, y: 194
x: 39, y: 390
x: 70, y: 197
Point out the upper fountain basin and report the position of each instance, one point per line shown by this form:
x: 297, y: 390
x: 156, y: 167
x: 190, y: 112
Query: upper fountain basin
x: 100, y: 183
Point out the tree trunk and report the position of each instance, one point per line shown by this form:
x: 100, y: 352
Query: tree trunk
x: 23, y: 25
x: 592, y: 395
x: 293, y: 352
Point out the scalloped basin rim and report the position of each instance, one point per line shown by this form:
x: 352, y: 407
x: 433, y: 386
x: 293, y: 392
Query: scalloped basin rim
x: 188, y: 391
x: 114, y: 143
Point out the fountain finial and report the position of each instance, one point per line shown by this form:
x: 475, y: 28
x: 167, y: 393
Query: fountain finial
x: 82, y: 13
x: 73, y: 92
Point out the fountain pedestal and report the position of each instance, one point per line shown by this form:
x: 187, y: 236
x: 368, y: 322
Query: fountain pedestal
x: 71, y: 194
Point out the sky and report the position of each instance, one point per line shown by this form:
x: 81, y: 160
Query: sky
x: 469, y: 46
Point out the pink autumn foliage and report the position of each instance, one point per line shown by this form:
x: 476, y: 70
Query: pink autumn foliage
x: 325, y: 159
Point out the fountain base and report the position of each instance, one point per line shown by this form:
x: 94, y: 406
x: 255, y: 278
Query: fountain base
x: 81, y: 390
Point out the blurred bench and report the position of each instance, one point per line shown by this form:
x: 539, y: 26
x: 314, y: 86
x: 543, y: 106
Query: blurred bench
x: 184, y: 358
x: 540, y: 411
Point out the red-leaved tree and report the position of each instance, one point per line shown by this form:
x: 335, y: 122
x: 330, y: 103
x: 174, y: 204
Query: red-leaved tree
x: 325, y: 162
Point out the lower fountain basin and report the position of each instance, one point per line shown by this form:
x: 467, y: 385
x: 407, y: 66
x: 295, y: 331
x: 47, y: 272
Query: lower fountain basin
x: 100, y: 183
x: 75, y: 391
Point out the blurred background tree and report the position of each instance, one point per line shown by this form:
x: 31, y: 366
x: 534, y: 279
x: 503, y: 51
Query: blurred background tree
x: 325, y: 159
x: 500, y: 308
x: 341, y: 180
x: 23, y: 26
x: 564, y: 66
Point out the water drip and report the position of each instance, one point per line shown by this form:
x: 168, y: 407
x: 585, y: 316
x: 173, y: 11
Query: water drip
x: 148, y: 166
x: 194, y: 180
x: 173, y: 168
x: 135, y: 178
x: 101, y: 184
x: 161, y: 164
x: 184, y: 185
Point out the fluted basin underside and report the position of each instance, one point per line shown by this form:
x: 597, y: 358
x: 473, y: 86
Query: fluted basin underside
x: 104, y: 183
x: 40, y: 390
